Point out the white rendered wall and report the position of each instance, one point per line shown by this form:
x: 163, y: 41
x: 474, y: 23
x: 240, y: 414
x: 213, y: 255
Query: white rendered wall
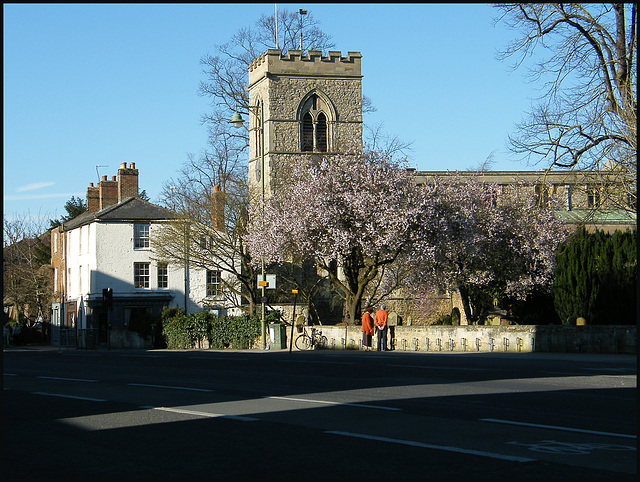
x: 101, y: 255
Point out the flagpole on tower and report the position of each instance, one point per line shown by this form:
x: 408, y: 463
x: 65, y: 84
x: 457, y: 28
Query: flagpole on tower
x: 276, y: 19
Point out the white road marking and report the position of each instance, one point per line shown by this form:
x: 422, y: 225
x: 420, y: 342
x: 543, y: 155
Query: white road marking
x: 62, y: 395
x: 435, y: 447
x: 169, y: 387
x: 325, y: 402
x: 205, y: 414
x: 69, y: 379
x: 553, y: 427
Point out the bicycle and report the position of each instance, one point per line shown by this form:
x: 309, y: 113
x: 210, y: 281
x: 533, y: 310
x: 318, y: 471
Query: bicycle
x: 314, y: 341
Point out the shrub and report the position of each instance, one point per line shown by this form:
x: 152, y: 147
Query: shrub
x: 238, y: 332
x: 182, y: 332
x: 176, y: 332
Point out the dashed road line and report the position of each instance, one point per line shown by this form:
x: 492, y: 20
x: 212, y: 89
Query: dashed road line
x: 170, y: 387
x: 198, y: 413
x: 447, y: 448
x: 68, y: 379
x: 554, y: 427
x: 63, y: 395
x: 325, y: 402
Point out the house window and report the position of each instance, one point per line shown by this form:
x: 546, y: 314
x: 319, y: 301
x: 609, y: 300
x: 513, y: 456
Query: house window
x: 205, y: 242
x: 632, y: 201
x: 593, y: 197
x: 163, y: 275
x: 567, y: 190
x: 140, y: 236
x: 542, y: 195
x: 141, y: 275
x: 214, y: 283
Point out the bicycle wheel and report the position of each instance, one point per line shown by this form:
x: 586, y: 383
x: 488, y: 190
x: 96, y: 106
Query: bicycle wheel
x: 321, y: 342
x: 303, y: 342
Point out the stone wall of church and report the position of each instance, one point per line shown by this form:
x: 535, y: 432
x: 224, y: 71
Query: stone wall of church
x: 282, y: 82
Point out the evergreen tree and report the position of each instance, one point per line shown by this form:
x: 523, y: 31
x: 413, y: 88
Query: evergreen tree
x: 596, y: 278
x: 74, y: 207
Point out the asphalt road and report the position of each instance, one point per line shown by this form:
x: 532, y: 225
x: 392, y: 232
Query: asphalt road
x: 317, y: 415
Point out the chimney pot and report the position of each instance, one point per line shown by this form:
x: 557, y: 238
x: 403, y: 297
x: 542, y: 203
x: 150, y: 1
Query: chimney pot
x: 132, y: 165
x: 123, y: 165
x: 90, y: 184
x: 113, y: 178
x: 104, y: 178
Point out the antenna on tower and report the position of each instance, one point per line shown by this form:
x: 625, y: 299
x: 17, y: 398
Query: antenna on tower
x: 97, y: 173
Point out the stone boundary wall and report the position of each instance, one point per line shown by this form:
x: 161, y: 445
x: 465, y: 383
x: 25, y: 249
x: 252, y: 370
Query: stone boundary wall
x: 620, y: 339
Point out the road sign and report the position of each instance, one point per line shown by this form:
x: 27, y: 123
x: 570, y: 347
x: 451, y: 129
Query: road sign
x: 270, y: 280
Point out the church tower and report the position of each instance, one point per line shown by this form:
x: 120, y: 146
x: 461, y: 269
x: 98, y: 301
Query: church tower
x: 300, y: 106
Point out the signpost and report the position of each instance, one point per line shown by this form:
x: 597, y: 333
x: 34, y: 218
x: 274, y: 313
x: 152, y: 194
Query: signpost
x: 293, y: 319
x: 265, y: 281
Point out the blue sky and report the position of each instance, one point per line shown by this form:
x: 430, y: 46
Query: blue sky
x: 88, y: 85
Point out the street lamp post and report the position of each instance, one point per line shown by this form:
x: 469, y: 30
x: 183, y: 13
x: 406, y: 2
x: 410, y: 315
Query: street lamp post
x: 238, y: 122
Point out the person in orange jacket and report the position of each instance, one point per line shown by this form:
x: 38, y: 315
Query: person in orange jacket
x: 381, y: 326
x: 367, y: 329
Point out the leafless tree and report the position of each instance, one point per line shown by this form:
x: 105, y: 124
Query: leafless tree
x: 209, y: 197
x: 26, y: 271
x: 195, y: 237
x: 222, y: 163
x: 227, y: 71
x: 587, y: 114
x: 387, y: 145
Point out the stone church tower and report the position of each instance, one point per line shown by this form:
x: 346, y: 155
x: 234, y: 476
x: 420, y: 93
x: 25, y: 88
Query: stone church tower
x: 300, y: 105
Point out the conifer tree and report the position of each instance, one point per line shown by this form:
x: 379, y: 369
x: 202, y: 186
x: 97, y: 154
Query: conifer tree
x: 596, y: 278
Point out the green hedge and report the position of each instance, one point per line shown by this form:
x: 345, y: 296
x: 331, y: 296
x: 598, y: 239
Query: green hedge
x: 182, y: 332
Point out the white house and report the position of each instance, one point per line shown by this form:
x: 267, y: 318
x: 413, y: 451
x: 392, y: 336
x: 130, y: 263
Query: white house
x: 111, y: 287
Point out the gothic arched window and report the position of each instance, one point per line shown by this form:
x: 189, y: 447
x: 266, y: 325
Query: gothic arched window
x: 315, y: 115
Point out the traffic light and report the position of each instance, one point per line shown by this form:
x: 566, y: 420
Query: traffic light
x: 107, y: 297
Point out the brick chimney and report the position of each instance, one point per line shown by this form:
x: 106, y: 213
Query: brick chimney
x: 108, y: 192
x: 93, y: 198
x: 111, y: 192
x: 127, y: 181
x: 217, y: 208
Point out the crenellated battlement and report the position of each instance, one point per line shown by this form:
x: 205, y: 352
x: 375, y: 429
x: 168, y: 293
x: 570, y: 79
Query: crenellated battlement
x: 311, y: 103
x: 273, y: 61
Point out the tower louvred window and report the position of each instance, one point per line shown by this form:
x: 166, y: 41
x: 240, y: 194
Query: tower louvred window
x: 307, y: 133
x: 321, y: 133
x: 315, y: 125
